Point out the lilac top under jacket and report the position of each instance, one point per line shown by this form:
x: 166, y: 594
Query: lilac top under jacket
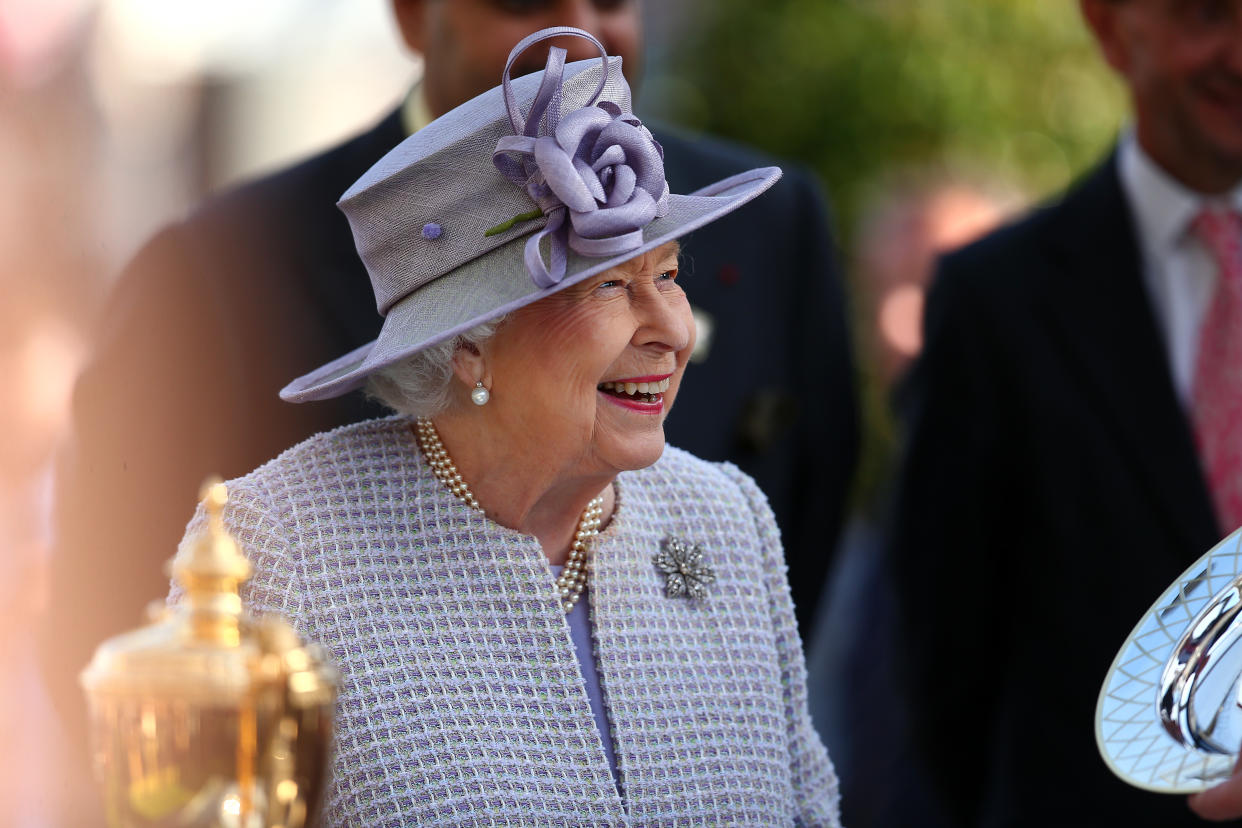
x: 462, y: 702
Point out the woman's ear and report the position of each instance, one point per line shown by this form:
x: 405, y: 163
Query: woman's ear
x: 469, y: 366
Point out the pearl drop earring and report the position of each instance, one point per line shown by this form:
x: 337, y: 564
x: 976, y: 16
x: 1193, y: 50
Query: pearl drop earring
x: 480, y: 395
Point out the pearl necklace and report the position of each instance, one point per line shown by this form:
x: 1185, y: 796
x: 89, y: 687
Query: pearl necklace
x: 573, y: 577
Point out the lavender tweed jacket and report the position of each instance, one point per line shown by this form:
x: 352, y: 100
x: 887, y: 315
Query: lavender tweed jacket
x: 462, y: 700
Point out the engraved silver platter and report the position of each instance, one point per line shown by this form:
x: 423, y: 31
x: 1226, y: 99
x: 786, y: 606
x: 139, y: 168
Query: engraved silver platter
x: 1169, y: 715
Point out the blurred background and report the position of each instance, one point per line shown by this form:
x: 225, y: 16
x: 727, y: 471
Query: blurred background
x: 927, y: 123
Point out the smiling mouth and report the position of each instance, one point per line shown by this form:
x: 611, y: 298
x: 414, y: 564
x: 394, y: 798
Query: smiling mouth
x: 643, y: 392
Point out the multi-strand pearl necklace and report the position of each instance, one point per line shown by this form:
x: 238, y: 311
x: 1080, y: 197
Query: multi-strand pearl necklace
x: 573, y: 577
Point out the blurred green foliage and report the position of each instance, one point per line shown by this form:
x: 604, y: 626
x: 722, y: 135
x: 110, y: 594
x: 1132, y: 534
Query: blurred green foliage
x: 1007, y: 90
x: 854, y: 88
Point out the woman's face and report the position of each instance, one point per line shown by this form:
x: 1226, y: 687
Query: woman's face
x: 584, y: 378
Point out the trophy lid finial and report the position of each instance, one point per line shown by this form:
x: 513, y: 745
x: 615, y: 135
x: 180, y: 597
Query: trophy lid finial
x: 211, y: 570
x: 212, y: 562
x: 198, y: 648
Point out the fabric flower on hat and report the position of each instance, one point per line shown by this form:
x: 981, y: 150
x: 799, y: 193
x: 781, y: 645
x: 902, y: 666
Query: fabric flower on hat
x: 597, y: 164
x: 608, y: 171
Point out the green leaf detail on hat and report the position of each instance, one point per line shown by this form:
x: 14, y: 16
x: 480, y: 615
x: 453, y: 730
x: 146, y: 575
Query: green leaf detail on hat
x: 505, y: 225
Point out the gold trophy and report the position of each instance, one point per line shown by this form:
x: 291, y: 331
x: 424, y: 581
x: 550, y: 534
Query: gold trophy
x: 209, y: 716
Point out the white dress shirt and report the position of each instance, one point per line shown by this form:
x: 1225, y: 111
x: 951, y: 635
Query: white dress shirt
x: 1178, y: 271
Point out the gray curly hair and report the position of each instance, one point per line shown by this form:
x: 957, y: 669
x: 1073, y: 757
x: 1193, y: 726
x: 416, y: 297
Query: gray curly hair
x: 419, y: 386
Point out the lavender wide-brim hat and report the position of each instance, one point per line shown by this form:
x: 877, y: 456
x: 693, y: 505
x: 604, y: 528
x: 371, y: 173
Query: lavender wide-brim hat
x: 523, y: 191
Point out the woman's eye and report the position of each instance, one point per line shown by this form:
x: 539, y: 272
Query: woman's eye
x: 611, y: 283
x: 668, y: 275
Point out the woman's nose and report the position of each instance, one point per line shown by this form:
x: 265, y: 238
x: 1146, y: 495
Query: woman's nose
x: 666, y: 321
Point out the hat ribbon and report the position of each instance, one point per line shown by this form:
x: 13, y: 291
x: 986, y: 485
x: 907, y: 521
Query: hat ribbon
x: 597, y: 166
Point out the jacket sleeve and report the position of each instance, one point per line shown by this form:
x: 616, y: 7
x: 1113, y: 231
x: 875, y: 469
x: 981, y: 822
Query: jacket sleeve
x: 954, y: 501
x: 816, y: 792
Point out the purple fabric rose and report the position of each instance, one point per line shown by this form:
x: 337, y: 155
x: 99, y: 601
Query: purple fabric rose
x: 607, y: 170
x: 599, y: 165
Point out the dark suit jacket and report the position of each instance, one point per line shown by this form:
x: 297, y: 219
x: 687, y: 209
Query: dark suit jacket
x: 1050, y: 491
x: 263, y: 284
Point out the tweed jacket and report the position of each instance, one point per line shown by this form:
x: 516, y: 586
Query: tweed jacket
x: 462, y: 701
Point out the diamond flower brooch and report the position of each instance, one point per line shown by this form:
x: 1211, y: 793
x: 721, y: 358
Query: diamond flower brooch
x: 682, y: 564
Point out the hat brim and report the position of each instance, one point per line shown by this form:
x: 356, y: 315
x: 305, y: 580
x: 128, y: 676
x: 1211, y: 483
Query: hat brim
x: 498, y: 283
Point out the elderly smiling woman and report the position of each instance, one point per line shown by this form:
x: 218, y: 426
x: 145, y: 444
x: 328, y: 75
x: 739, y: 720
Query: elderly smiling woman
x: 541, y: 614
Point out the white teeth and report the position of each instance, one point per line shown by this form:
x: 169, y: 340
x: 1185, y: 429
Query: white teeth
x: 632, y: 388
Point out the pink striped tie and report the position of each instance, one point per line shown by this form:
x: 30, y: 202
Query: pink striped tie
x: 1217, y: 391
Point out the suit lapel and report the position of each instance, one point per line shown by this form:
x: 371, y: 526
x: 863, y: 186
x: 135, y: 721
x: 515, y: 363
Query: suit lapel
x: 1105, y: 316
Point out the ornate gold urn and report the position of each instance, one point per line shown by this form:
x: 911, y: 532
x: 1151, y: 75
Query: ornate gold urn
x: 209, y: 716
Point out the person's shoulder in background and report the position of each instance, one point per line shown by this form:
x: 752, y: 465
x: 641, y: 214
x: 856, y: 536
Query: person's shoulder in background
x: 1017, y: 256
x: 694, y: 159
x: 294, y: 202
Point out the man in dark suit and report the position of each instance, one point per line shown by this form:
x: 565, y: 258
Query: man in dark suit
x: 1051, y: 484
x: 262, y: 284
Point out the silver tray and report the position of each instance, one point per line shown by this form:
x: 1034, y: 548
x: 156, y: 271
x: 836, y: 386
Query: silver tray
x: 1169, y: 715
